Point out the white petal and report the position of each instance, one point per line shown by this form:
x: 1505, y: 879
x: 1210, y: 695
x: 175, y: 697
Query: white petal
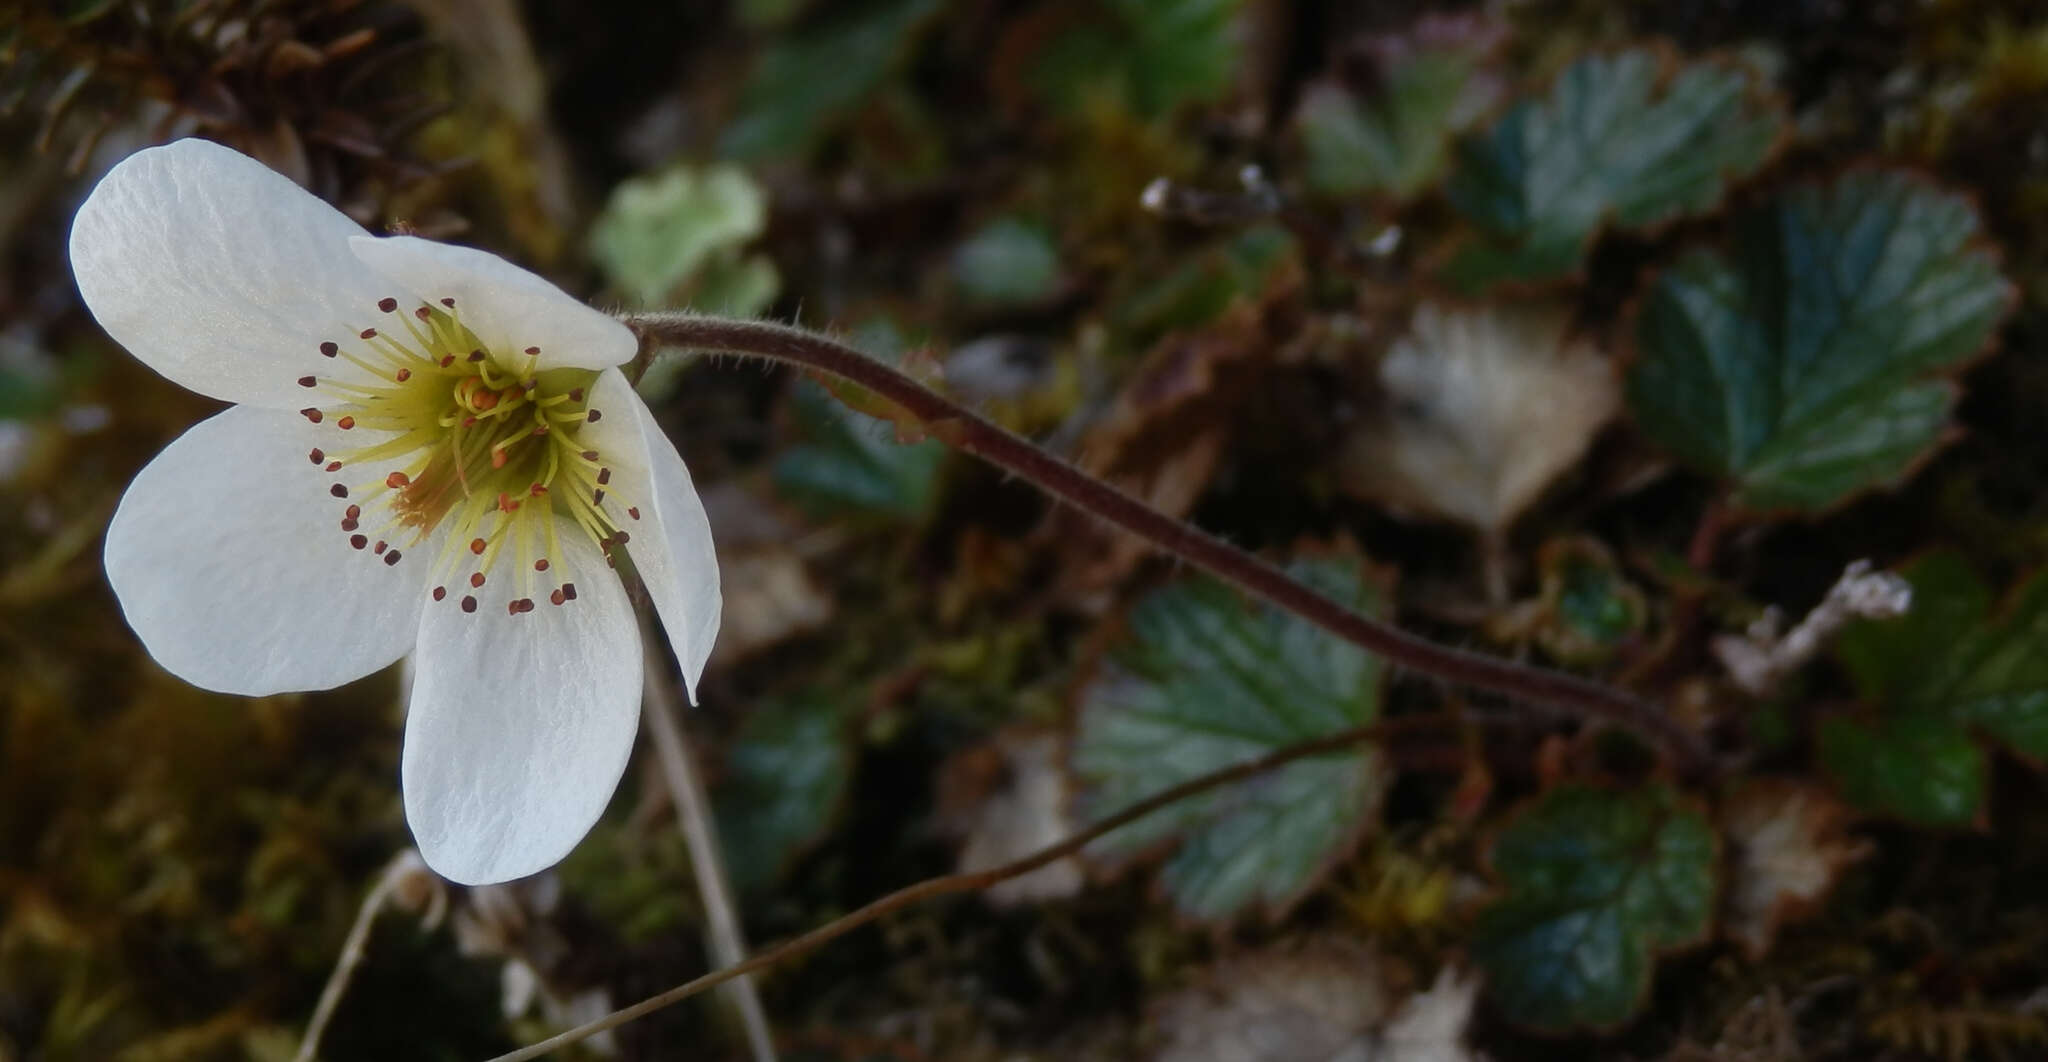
x: 229, y: 561
x: 671, y: 542
x: 219, y: 273
x: 507, y: 307
x: 520, y: 725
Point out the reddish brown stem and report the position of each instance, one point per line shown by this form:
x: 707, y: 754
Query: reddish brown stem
x: 1010, y: 452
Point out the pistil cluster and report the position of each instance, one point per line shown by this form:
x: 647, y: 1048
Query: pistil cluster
x: 476, y: 440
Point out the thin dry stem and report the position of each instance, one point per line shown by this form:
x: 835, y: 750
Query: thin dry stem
x: 693, y: 815
x: 978, y: 880
x: 352, y: 950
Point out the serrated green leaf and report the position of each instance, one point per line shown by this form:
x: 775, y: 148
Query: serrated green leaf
x: 1009, y: 262
x: 853, y: 463
x: 1597, y: 883
x: 1153, y: 55
x: 1614, y: 139
x: 1205, y: 680
x: 1397, y: 139
x: 1793, y: 365
x: 802, y: 85
x: 785, y: 773
x: 1945, y: 670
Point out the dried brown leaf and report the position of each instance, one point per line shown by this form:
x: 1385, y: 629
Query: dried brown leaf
x: 1789, y: 846
x: 1477, y: 412
x: 1007, y: 799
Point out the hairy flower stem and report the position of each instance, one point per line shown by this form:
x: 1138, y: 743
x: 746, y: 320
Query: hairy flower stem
x: 970, y: 431
x: 978, y: 880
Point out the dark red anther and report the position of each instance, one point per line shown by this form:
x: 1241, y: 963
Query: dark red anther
x: 597, y: 497
x: 468, y: 603
x: 556, y: 598
x: 403, y: 375
x: 348, y: 523
x: 604, y: 476
x: 345, y: 423
x: 569, y: 591
x: 621, y: 538
x: 333, y: 466
x: 330, y: 349
x: 440, y: 593
x: 476, y: 355
x: 575, y: 394
x: 476, y: 580
x: 309, y: 381
x: 633, y: 511
x: 391, y: 558
x: 310, y: 414
x: 358, y: 541
x: 379, y: 547
x: 533, y: 352
x: 540, y: 565
x: 588, y: 455
x: 367, y: 333
x: 476, y: 546
x: 450, y: 303
x: 388, y: 305
x: 447, y: 360
x: 423, y: 313
x: 396, y: 481
x: 338, y: 491
x: 595, y: 416
x: 316, y: 456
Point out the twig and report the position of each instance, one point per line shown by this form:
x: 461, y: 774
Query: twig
x: 978, y: 880
x: 1761, y: 657
x: 395, y: 874
x: 686, y: 791
x: 970, y: 431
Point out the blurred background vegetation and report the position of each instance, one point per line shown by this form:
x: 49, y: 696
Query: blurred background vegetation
x: 1594, y: 334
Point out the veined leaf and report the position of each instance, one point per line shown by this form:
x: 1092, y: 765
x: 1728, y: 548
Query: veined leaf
x: 1206, y: 680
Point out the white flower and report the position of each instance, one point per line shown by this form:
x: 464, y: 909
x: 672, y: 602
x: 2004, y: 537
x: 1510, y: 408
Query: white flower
x: 432, y: 451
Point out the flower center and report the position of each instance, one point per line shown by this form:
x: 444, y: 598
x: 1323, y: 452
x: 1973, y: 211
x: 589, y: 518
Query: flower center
x: 479, y: 439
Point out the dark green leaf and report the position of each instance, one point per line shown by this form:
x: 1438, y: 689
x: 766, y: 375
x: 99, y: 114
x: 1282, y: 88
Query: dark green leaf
x: 1935, y: 675
x: 785, y: 772
x: 1202, y: 288
x: 1153, y: 55
x: 1598, y: 883
x: 24, y: 395
x: 1614, y: 140
x: 1396, y: 139
x: 1206, y: 680
x: 853, y: 463
x: 1918, y: 766
x: 1796, y: 364
x: 802, y: 85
